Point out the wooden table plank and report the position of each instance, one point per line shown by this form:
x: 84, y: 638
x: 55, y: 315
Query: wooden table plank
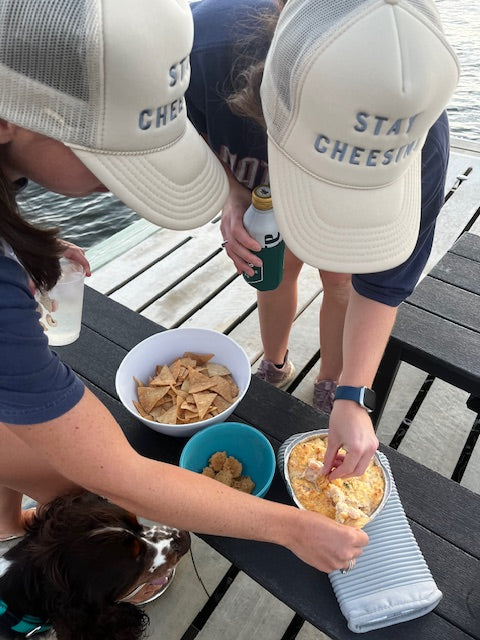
x: 426, y: 342
x: 457, y: 305
x: 459, y: 271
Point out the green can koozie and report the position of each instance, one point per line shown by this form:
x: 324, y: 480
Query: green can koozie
x: 259, y: 221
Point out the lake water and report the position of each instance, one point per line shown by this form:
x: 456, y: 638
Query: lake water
x: 87, y: 221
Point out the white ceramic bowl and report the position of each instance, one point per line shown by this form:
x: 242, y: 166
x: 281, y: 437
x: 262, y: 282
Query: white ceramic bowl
x: 164, y: 348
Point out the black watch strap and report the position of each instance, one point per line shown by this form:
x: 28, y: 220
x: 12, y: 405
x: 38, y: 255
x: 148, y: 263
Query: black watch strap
x: 363, y: 396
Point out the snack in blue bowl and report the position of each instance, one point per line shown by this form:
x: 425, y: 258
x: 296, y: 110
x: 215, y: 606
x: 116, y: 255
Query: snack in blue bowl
x: 241, y: 443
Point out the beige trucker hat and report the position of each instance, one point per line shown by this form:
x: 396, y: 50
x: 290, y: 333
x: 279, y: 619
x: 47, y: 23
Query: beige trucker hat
x: 108, y: 78
x: 349, y: 92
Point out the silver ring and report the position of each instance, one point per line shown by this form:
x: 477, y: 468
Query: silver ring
x: 351, y: 565
x: 224, y: 244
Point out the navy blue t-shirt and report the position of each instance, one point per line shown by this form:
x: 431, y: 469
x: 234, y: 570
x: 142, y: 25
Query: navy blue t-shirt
x: 35, y: 386
x: 242, y: 144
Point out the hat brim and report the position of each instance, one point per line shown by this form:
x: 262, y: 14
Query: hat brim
x: 345, y: 229
x: 182, y: 186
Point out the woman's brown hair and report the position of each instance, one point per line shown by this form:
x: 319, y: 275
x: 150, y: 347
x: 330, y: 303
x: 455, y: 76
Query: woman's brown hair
x: 247, y: 70
x: 37, y: 249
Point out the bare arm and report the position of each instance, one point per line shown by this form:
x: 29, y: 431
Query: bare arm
x: 87, y: 446
x: 368, y: 325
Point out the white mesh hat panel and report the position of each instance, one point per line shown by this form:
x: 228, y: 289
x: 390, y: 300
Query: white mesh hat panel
x: 108, y: 79
x: 49, y: 67
x: 349, y: 92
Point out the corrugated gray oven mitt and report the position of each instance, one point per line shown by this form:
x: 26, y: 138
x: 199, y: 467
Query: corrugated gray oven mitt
x: 391, y: 581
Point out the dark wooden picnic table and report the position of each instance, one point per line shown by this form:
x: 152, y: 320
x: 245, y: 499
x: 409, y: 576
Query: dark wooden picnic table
x: 444, y: 517
x: 438, y: 327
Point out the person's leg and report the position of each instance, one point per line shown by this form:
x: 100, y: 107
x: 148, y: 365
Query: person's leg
x: 24, y: 472
x: 336, y: 293
x: 276, y: 311
x: 10, y: 513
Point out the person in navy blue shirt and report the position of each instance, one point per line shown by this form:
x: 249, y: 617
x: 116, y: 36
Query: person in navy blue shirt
x: 227, y: 39
x: 223, y: 100
x: 55, y: 435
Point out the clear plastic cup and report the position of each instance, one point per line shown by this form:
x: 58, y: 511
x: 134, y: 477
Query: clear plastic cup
x: 61, y: 307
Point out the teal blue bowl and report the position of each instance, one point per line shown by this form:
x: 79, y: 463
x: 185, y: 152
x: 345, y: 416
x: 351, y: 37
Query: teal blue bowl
x: 245, y: 443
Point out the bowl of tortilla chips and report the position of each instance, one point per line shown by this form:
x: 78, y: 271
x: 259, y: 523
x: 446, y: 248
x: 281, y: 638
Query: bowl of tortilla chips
x: 180, y: 381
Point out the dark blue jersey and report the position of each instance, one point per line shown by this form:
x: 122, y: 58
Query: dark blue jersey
x: 242, y: 144
x: 35, y: 386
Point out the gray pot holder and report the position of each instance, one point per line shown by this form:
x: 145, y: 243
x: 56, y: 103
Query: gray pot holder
x: 391, y: 582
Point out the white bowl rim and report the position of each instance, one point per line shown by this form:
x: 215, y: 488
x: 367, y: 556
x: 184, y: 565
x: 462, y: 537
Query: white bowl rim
x: 187, y: 429
x: 309, y: 435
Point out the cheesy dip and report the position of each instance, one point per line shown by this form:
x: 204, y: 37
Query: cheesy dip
x: 350, y: 501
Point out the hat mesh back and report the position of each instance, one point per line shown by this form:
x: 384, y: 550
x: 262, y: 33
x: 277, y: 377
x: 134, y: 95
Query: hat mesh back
x: 303, y: 28
x: 49, y: 83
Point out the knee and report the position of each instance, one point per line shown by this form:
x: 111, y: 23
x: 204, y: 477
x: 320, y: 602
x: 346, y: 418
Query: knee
x: 337, y: 286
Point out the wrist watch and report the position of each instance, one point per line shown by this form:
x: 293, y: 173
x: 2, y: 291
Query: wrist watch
x: 364, y: 396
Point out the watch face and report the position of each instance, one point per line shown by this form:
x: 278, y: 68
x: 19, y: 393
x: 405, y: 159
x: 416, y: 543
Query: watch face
x: 369, y: 399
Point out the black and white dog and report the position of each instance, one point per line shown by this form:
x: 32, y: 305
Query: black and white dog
x: 80, y: 562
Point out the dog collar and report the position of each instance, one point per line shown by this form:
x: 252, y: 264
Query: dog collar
x: 28, y: 625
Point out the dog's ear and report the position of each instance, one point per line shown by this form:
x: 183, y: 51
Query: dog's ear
x: 121, y: 621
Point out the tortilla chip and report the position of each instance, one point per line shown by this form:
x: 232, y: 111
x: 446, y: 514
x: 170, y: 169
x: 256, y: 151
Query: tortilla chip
x: 188, y: 390
x: 222, y: 387
x: 203, y: 402
x: 149, y: 397
x: 142, y: 411
x: 170, y: 416
x: 199, y: 381
x: 215, y: 369
x: 175, y: 368
x: 200, y: 358
x: 163, y: 378
x: 221, y: 404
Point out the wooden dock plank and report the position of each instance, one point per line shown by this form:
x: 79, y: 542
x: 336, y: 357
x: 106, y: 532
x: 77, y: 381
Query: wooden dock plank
x: 459, y: 209
x: 439, y: 430
x: 172, y: 268
x: 309, y: 632
x: 177, y: 304
x: 222, y: 313
x: 115, y: 273
x: 172, y: 614
x: 407, y: 384
x: 247, y: 611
